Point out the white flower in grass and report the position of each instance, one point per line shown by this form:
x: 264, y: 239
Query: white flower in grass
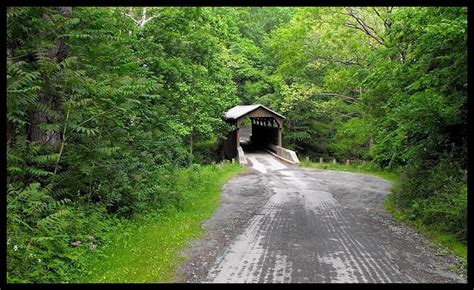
x: 39, y: 260
x: 77, y: 243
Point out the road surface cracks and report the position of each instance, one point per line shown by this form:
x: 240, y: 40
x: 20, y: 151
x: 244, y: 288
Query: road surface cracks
x: 282, y: 223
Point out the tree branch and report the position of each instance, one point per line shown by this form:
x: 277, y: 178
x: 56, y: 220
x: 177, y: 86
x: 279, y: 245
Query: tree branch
x: 364, y: 27
x: 377, y: 12
x: 62, y: 143
x: 339, y: 95
x: 341, y: 61
x: 144, y: 20
x: 147, y: 20
x: 131, y: 17
x: 103, y: 113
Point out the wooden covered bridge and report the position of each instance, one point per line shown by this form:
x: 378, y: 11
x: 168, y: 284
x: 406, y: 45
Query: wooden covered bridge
x: 267, y: 126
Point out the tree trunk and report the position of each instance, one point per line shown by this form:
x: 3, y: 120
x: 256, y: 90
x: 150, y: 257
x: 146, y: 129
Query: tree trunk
x: 191, y: 136
x: 36, y: 134
x: 371, y: 142
x: 191, y: 142
x: 47, y: 98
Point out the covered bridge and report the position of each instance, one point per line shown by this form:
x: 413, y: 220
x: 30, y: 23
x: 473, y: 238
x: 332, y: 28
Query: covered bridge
x: 267, y: 126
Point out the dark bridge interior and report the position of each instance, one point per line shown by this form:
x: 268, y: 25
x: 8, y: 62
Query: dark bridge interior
x: 259, y: 133
x: 265, y: 131
x: 253, y: 138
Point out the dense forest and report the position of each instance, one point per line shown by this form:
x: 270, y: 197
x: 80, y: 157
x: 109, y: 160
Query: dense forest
x: 106, y: 105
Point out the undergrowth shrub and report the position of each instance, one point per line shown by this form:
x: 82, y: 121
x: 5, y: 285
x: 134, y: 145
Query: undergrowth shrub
x: 206, y: 152
x: 40, y: 232
x: 435, y: 194
x: 49, y: 239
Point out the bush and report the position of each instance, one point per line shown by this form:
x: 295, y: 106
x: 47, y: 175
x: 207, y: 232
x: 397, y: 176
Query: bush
x: 41, y: 231
x: 206, y: 152
x: 435, y: 193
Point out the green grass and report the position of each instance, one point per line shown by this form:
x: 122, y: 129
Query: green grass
x: 147, y: 249
x: 366, y: 168
x: 444, y: 242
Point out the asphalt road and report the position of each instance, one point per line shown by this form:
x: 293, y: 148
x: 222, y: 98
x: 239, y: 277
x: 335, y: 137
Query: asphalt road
x: 282, y: 223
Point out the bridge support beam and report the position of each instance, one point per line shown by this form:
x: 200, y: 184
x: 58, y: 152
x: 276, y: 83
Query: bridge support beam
x: 279, y: 136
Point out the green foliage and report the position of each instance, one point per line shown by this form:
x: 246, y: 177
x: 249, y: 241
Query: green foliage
x: 442, y: 237
x: 148, y: 249
x: 420, y: 121
x: 352, y: 139
x: 40, y: 229
x: 383, y: 84
x: 206, y: 152
x: 440, y: 201
x: 104, y: 107
x: 426, y: 104
x: 121, y: 105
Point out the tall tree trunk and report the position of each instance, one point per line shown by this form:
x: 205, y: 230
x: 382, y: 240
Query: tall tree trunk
x: 47, y: 98
x: 191, y: 136
x: 36, y: 134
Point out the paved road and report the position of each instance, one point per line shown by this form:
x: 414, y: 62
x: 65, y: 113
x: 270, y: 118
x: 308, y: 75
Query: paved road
x: 281, y: 223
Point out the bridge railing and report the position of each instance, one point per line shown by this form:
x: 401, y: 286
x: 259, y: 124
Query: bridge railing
x: 283, y: 153
x: 241, y: 156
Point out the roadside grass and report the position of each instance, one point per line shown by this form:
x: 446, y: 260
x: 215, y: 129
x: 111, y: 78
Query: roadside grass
x: 359, y: 167
x: 443, y: 242
x: 147, y: 249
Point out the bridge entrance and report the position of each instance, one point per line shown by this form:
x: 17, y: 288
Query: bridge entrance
x: 265, y: 131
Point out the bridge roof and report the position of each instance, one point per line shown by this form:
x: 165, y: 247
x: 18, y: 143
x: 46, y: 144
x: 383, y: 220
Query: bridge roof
x: 239, y: 111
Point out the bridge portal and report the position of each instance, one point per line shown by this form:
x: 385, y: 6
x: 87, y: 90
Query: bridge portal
x: 267, y: 126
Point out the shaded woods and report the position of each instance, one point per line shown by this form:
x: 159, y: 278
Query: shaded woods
x: 107, y: 106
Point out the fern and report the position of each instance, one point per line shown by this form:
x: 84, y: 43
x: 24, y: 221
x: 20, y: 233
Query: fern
x: 42, y: 239
x: 108, y: 150
x: 56, y: 204
x: 85, y: 130
x: 60, y: 193
x: 37, y: 172
x: 17, y: 12
x: 54, y: 222
x: 81, y: 102
x: 50, y: 127
x: 67, y: 63
x: 45, y: 159
x: 47, y: 110
x: 12, y: 157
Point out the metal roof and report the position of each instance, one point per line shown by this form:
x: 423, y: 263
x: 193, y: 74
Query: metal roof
x: 239, y: 111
